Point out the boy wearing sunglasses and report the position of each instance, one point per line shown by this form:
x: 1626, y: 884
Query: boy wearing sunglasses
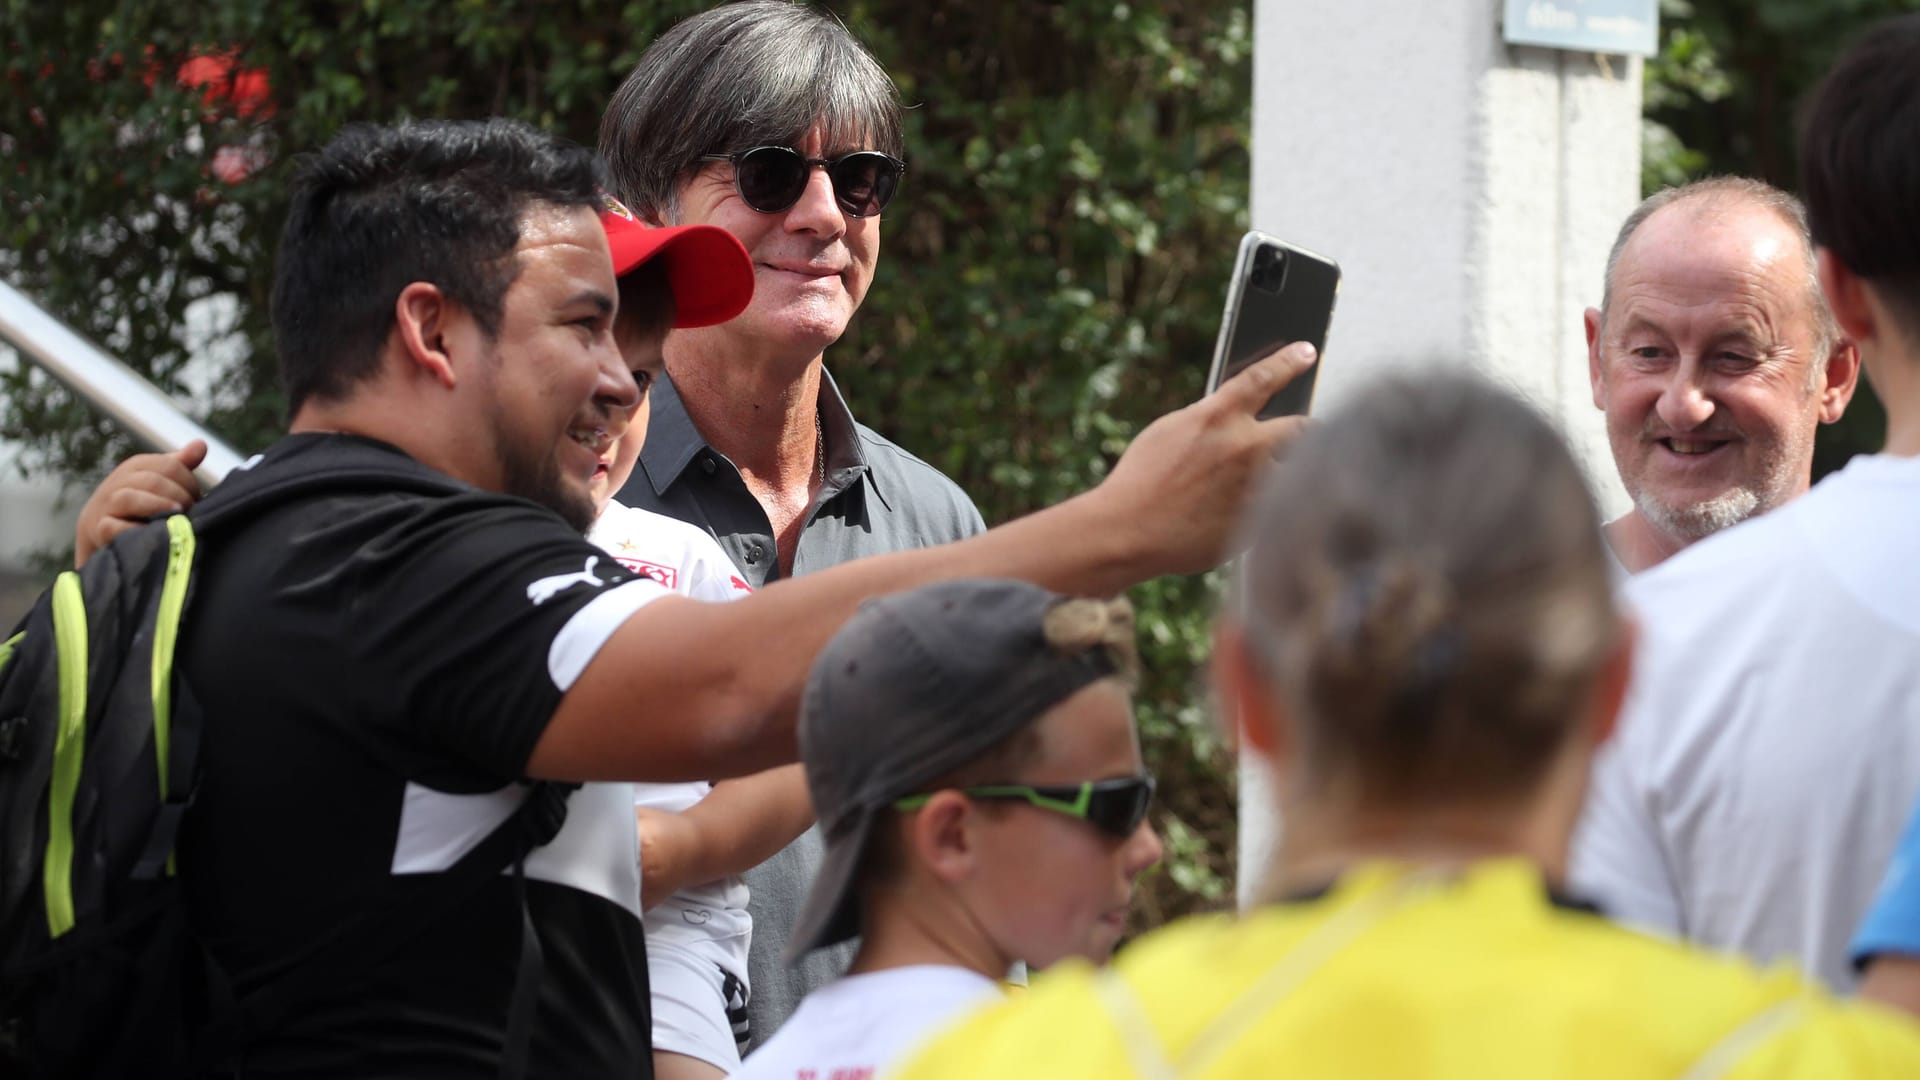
x: 972, y: 759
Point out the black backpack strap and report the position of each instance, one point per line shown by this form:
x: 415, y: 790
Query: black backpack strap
x: 337, y: 958
x: 185, y: 729
x: 549, y: 815
x: 525, y: 1001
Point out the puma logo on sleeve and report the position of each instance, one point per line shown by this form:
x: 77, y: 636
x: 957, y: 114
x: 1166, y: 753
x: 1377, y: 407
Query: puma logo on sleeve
x: 547, y: 588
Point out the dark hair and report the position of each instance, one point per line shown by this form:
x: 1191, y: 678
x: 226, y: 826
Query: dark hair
x: 379, y: 208
x: 1428, y: 590
x: 1860, y: 162
x: 757, y: 73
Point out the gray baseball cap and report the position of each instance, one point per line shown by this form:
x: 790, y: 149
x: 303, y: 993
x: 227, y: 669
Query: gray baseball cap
x: 914, y: 686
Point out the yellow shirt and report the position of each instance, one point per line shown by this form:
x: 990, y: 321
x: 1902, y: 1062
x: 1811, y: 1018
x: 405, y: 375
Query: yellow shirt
x: 1403, y: 973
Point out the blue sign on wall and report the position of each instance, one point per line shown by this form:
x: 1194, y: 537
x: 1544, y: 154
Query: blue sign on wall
x: 1609, y: 26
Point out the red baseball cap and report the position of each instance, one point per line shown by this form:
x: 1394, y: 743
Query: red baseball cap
x: 711, y: 275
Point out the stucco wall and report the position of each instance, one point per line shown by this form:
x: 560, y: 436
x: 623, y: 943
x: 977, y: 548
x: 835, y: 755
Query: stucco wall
x: 1469, y: 189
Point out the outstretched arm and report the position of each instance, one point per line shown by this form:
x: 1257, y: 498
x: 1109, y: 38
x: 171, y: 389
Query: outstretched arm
x: 739, y: 825
x: 731, y: 674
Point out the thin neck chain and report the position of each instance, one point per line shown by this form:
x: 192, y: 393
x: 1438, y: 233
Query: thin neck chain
x: 819, y: 448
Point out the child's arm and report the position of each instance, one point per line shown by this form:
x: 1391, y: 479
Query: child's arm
x: 736, y: 827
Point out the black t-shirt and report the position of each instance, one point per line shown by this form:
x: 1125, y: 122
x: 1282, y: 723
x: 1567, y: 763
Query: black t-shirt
x: 376, y: 666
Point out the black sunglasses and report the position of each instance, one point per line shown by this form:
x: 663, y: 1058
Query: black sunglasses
x: 1115, y: 807
x: 770, y: 179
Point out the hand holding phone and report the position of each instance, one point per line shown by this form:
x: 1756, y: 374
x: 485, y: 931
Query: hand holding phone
x: 1279, y: 294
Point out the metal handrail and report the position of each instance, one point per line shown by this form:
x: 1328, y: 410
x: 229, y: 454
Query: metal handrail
x: 121, y: 393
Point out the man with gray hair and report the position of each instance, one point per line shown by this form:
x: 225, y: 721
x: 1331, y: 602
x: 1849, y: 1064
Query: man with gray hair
x: 1715, y: 358
x: 1768, y: 756
x: 770, y: 120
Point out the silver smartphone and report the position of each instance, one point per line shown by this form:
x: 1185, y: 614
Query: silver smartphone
x: 1279, y: 294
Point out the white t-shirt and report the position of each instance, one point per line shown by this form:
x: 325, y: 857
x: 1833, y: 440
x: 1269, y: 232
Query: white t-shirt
x: 685, y: 559
x: 1769, y: 754
x: 859, y: 1026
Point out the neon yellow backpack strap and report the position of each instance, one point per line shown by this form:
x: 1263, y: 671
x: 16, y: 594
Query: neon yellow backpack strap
x: 166, y: 632
x: 7, y: 647
x: 69, y: 746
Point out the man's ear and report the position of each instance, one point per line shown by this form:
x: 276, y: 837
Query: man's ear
x: 422, y: 317
x: 1591, y: 321
x: 1250, y: 709
x: 1843, y: 374
x: 940, y: 839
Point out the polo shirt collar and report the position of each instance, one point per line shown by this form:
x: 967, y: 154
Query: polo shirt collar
x: 673, y: 443
x: 846, y: 454
x: 672, y: 440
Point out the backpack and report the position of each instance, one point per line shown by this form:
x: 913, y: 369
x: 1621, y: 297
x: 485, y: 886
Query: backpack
x: 100, y: 973
x: 97, y: 744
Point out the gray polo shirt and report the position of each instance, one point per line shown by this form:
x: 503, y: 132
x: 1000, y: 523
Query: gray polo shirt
x: 877, y: 498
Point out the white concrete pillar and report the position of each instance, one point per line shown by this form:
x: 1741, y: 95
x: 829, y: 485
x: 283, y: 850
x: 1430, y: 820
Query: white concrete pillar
x: 35, y: 517
x: 1470, y: 191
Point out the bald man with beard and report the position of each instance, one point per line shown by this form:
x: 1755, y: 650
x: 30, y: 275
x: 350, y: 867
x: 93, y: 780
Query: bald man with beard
x: 1715, y: 360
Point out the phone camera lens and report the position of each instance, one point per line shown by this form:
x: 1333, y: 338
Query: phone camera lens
x: 1269, y: 269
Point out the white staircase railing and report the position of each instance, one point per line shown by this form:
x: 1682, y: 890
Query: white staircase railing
x: 119, y: 392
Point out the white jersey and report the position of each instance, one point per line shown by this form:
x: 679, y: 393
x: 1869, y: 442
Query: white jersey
x: 1769, y: 754
x: 685, y: 559
x: 864, y: 1025
x: 678, y: 555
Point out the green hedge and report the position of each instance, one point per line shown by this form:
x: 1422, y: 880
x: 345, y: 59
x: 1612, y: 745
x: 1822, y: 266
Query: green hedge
x: 1051, y: 275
